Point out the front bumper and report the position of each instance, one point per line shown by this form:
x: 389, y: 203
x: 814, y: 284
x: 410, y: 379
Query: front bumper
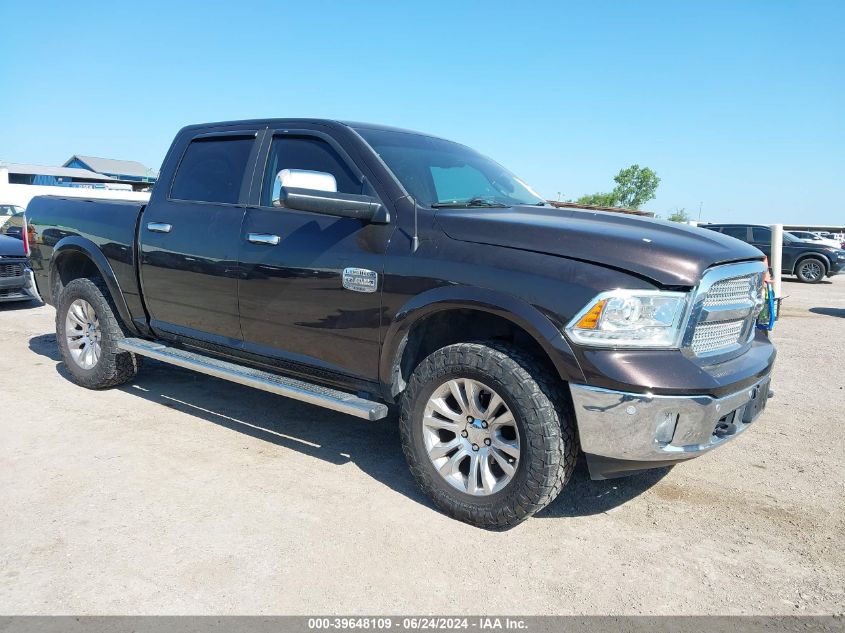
x: 18, y: 288
x: 622, y: 433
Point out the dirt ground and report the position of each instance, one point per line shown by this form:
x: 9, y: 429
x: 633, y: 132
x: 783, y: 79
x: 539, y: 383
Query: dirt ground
x: 184, y: 494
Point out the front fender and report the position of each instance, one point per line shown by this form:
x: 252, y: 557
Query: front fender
x: 508, y: 307
x: 825, y: 257
x: 76, y: 244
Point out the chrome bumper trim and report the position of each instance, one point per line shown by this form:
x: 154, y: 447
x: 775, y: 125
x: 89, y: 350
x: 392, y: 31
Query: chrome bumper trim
x: 24, y: 284
x: 31, y: 288
x: 635, y: 427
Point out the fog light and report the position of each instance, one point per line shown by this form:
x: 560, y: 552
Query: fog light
x: 666, y: 428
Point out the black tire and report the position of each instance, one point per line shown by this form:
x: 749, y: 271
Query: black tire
x: 811, y: 270
x: 114, y: 366
x: 536, y: 400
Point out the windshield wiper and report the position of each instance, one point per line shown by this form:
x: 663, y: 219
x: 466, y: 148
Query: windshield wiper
x: 472, y: 202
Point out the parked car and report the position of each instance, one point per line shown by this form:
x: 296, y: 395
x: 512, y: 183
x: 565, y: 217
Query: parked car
x: 16, y: 279
x: 6, y: 213
x: 355, y: 266
x: 816, y: 238
x: 810, y: 262
x: 839, y: 238
x: 14, y: 225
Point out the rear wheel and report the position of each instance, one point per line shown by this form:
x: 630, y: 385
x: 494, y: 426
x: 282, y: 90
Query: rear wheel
x: 88, y: 333
x: 485, y: 433
x: 810, y: 270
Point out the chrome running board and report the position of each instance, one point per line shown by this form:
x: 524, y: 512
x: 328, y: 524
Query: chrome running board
x: 266, y: 381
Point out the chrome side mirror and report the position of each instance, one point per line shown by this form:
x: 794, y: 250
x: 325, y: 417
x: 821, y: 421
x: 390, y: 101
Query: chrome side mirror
x: 302, y: 179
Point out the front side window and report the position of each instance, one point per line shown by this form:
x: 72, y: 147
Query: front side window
x: 306, y: 153
x: 441, y: 173
x: 760, y: 235
x: 212, y: 170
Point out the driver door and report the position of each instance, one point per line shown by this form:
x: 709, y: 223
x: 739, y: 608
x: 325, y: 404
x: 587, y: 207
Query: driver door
x: 294, y: 307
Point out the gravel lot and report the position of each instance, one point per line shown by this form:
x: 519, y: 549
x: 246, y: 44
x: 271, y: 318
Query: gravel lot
x: 186, y: 494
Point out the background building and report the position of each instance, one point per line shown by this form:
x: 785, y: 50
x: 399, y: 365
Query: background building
x: 828, y: 228
x: 121, y: 170
x: 19, y: 183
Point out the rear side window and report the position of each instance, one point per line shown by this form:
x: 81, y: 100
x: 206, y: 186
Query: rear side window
x: 739, y: 232
x: 309, y: 153
x: 212, y: 170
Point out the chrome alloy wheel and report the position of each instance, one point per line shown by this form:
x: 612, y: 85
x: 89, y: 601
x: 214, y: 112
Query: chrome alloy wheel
x: 471, y: 437
x: 812, y: 270
x: 82, y: 330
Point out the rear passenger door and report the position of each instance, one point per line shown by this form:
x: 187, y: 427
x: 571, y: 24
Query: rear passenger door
x: 190, y: 234
x: 761, y: 237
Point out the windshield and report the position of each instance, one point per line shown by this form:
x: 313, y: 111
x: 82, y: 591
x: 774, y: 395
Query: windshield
x: 440, y: 173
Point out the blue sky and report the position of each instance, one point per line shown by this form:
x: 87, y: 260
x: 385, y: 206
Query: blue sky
x: 738, y: 106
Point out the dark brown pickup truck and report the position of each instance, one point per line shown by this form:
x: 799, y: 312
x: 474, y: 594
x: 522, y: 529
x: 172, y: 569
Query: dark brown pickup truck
x: 357, y: 266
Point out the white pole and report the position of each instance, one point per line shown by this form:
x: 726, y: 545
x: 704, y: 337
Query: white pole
x: 776, y: 258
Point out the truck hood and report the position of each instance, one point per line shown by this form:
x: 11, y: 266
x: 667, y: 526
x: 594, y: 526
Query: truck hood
x: 668, y: 253
x: 10, y: 247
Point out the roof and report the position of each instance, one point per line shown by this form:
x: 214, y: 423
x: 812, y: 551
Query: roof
x: 595, y: 207
x: 706, y: 224
x: 807, y: 228
x: 61, y: 172
x: 285, y: 122
x: 112, y: 166
x: 814, y: 227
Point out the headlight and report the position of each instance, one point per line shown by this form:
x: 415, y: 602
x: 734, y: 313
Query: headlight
x: 631, y: 318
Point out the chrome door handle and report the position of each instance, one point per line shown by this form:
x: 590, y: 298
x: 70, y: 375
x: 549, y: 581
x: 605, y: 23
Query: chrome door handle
x: 263, y: 238
x: 159, y: 227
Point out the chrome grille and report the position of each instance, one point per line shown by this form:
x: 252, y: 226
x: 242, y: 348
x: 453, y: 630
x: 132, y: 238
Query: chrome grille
x: 11, y: 270
x: 711, y: 337
x: 725, y: 309
x: 730, y: 291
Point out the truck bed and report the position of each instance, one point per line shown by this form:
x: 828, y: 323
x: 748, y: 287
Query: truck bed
x: 111, y: 225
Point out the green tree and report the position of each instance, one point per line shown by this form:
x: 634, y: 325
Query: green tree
x: 635, y: 186
x: 598, y: 199
x: 679, y: 215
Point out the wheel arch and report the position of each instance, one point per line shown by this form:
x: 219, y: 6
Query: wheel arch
x: 443, y: 316
x: 814, y: 255
x: 74, y: 257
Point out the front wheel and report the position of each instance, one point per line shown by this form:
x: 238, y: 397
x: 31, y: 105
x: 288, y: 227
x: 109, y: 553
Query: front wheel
x: 486, y: 433
x: 88, y: 332
x: 810, y: 270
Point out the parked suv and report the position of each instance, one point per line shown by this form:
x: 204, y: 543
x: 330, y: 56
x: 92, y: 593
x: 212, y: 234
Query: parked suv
x: 809, y: 262
x: 16, y: 280
x: 820, y: 239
